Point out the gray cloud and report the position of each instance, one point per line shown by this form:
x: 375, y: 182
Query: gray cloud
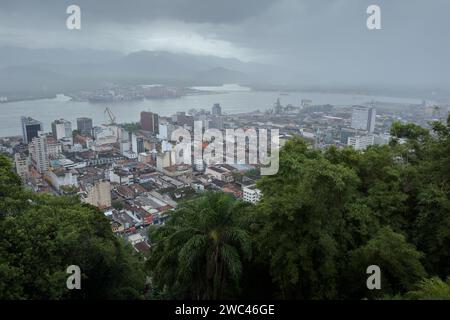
x: 318, y: 41
x: 198, y: 11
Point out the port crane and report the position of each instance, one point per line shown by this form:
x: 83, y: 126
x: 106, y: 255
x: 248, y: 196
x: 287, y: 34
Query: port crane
x: 110, y: 114
x: 112, y: 123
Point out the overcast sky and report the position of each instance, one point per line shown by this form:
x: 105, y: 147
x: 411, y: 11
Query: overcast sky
x: 322, y: 39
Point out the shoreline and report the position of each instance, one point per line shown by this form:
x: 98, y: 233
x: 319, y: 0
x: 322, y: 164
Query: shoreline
x: 73, y: 98
x: 10, y: 100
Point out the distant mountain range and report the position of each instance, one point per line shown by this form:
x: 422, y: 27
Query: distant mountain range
x: 30, y: 73
x: 40, y: 71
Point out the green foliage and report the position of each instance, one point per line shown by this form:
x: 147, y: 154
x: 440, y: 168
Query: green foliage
x: 117, y: 204
x: 252, y: 173
x: 409, y: 131
x: 131, y: 127
x: 69, y: 190
x: 9, y: 182
x: 432, y: 228
x: 42, y: 235
x: 328, y: 216
x: 399, y: 261
x: 76, y: 133
x: 199, y: 252
x: 303, y: 229
x: 431, y: 289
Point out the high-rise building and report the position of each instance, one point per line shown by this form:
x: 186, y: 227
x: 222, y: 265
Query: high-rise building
x: 54, y: 147
x: 361, y: 142
x: 39, y: 153
x: 345, y: 134
x: 363, y: 118
x: 137, y: 144
x: 98, y: 194
x: 163, y: 160
x: 372, y: 119
x: 165, y: 131
x: 62, y: 129
x: 84, y: 126
x: 21, y: 162
x: 124, y: 147
x: 140, y: 145
x: 216, y: 110
x: 30, y: 129
x: 149, y: 121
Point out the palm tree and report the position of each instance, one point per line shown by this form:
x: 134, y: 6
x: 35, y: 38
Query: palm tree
x: 198, y: 253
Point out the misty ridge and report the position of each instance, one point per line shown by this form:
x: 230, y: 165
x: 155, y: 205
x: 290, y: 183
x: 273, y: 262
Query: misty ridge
x: 278, y: 45
x: 34, y: 73
x: 40, y: 71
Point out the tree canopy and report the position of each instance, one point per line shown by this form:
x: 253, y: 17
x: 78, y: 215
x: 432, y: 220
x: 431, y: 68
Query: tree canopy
x: 41, y: 235
x: 324, y: 218
x: 199, y: 252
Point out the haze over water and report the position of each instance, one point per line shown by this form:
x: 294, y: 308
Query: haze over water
x: 232, y: 101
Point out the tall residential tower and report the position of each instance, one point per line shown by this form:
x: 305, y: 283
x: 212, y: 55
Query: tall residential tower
x: 363, y: 118
x: 30, y: 129
x: 149, y: 121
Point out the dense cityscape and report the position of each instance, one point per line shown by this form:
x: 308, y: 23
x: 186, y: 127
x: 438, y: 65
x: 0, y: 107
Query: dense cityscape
x: 129, y: 172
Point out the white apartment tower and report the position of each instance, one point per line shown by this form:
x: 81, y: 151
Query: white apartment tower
x: 62, y: 129
x: 39, y: 153
x: 363, y: 118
